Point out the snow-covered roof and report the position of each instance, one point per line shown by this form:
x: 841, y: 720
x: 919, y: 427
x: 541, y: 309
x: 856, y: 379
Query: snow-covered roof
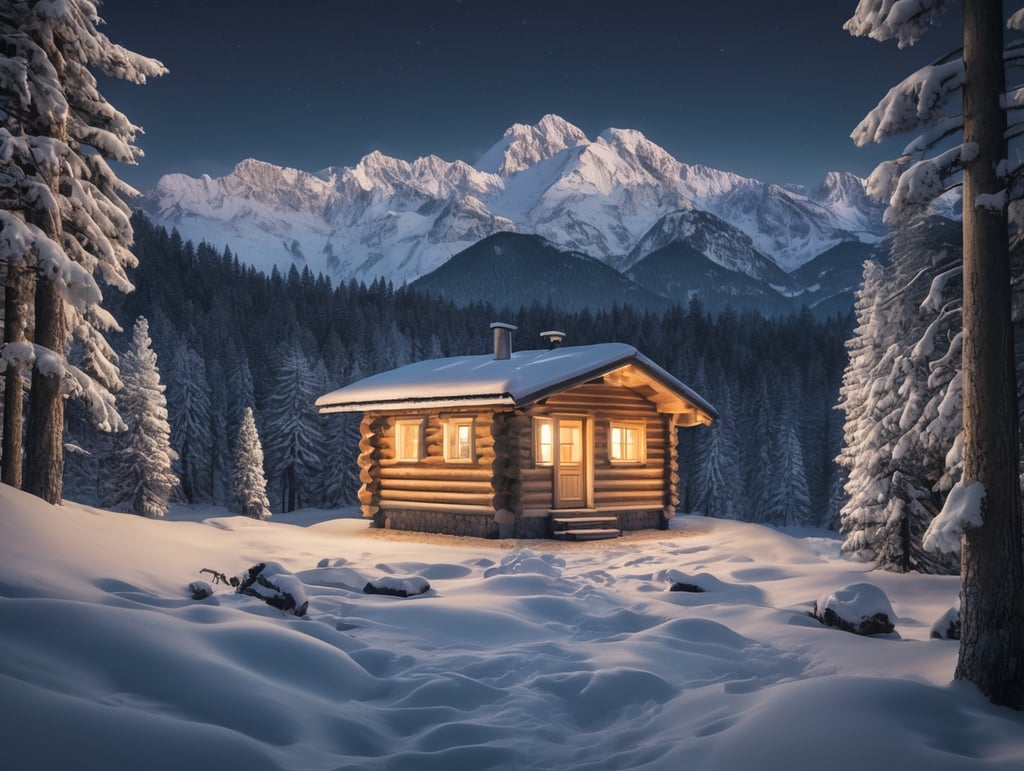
x: 523, y: 379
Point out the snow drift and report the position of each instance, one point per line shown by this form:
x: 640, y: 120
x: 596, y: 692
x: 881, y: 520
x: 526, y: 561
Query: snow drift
x: 521, y: 656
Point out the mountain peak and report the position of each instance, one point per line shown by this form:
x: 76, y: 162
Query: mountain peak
x: 524, y: 145
x: 387, y: 216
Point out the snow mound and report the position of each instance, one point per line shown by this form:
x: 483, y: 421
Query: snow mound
x: 859, y: 608
x: 525, y: 561
x: 570, y: 659
x: 398, y: 587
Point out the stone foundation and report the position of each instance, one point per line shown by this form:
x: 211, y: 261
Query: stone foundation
x: 483, y: 525
x: 644, y: 519
x: 531, y: 527
x: 448, y: 522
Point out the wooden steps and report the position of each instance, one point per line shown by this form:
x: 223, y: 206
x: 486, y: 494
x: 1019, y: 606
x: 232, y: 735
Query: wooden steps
x: 584, y: 528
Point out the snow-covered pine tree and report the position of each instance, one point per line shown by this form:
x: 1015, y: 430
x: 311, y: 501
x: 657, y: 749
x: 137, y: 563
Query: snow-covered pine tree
x: 757, y: 455
x: 250, y: 481
x: 64, y: 227
x: 292, y: 429
x: 142, y: 473
x: 788, y: 499
x: 992, y: 554
x: 188, y: 403
x: 860, y: 454
x: 718, y: 481
x: 894, y: 484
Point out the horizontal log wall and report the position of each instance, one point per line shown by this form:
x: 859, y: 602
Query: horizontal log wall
x: 433, y: 480
x: 615, y: 485
x: 503, y: 477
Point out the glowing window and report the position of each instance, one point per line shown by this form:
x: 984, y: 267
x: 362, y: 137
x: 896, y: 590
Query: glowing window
x: 544, y: 434
x: 458, y: 443
x: 570, y: 441
x: 409, y: 440
x: 626, y: 442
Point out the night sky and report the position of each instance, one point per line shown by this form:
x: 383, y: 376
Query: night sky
x: 765, y: 88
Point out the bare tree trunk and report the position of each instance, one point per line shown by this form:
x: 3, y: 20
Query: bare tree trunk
x: 17, y: 295
x: 44, y: 446
x: 992, y: 571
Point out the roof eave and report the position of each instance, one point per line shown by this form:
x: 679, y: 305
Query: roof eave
x: 635, y: 359
x: 419, y: 403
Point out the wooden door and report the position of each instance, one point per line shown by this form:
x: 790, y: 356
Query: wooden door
x: 572, y: 489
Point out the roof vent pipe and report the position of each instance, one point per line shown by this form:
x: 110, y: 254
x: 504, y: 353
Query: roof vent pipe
x: 553, y: 337
x: 503, y: 340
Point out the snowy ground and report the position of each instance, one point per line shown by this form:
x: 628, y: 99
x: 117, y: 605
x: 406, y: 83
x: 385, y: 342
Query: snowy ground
x: 523, y: 655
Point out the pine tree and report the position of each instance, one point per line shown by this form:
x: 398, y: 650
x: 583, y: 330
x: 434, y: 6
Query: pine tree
x: 992, y: 554
x: 142, y: 465
x: 758, y: 457
x: 897, y: 469
x: 292, y: 428
x: 188, y: 401
x: 718, y: 483
x: 789, y: 500
x: 62, y: 220
x: 250, y: 483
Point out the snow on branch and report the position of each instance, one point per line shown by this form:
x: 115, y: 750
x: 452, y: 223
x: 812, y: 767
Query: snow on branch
x: 934, y: 134
x: 74, y: 382
x: 919, y: 100
x: 962, y: 511
x: 905, y: 20
x: 921, y: 182
x: 992, y: 201
x: 925, y: 346
x: 22, y: 242
x: 1016, y: 21
x: 933, y: 302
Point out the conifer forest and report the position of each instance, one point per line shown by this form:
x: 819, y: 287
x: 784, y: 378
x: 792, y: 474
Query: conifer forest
x: 228, y: 338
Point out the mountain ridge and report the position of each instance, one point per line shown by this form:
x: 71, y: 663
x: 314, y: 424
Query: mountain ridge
x: 386, y: 217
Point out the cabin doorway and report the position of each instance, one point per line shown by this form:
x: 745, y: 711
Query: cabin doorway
x: 572, y: 463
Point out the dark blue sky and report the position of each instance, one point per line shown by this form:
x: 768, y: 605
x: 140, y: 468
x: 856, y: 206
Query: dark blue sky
x: 765, y: 88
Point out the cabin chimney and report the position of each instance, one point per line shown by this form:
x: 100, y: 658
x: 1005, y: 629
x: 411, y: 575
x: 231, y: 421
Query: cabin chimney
x: 503, y: 339
x: 553, y: 337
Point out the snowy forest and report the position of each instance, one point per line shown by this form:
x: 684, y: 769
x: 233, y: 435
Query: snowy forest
x: 839, y: 424
x: 899, y: 425
x: 228, y: 338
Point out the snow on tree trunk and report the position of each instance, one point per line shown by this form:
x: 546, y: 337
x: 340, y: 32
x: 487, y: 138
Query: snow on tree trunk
x: 143, y: 477
x: 992, y: 573
x: 250, y: 482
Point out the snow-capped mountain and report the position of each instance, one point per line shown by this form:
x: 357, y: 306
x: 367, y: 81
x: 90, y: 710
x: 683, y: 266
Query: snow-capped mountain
x: 392, y: 218
x: 717, y: 240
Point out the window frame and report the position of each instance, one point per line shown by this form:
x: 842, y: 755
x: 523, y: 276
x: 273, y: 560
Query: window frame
x: 539, y: 423
x: 451, y: 429
x: 405, y: 424
x: 638, y: 426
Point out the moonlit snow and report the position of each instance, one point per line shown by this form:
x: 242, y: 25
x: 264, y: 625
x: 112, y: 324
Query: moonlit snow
x: 521, y: 655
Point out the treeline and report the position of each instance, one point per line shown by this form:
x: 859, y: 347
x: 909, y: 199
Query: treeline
x: 229, y: 337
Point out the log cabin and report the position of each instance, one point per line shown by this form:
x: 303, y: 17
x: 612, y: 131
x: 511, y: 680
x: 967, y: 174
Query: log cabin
x: 574, y: 442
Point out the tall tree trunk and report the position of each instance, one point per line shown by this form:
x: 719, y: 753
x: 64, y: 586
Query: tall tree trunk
x: 992, y: 571
x: 17, y: 296
x: 44, y: 446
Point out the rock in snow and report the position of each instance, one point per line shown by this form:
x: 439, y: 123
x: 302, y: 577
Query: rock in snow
x: 947, y: 626
x: 398, y: 587
x: 858, y: 608
x: 275, y: 586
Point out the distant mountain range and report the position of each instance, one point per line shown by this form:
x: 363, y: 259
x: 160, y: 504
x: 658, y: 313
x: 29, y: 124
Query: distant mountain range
x: 666, y: 229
